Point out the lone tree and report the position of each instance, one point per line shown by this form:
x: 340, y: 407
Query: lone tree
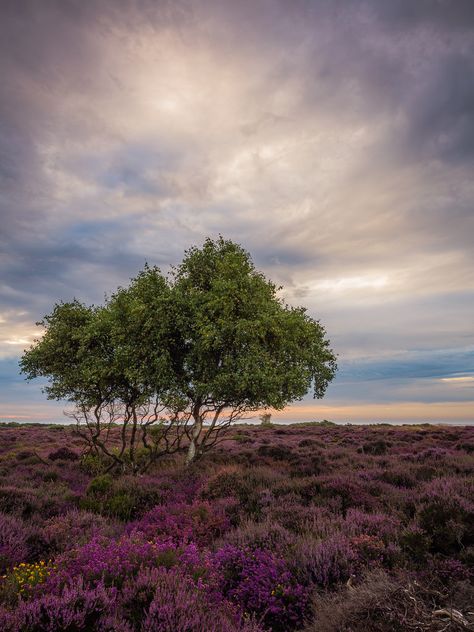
x: 180, y: 357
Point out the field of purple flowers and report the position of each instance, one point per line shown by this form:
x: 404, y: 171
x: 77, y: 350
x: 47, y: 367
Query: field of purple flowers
x: 314, y: 527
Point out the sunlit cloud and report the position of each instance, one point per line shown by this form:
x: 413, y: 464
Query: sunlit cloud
x: 17, y: 341
x: 336, y: 146
x: 352, y: 283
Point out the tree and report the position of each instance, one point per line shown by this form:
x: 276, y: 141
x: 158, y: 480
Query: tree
x: 112, y: 363
x: 241, y: 347
x: 180, y: 356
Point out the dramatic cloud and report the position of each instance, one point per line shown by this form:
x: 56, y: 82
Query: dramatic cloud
x: 333, y: 139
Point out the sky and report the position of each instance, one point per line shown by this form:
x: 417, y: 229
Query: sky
x: 333, y: 139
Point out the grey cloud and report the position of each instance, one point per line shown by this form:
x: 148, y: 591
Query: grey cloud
x: 422, y: 364
x: 348, y: 153
x: 442, y: 116
x: 443, y: 14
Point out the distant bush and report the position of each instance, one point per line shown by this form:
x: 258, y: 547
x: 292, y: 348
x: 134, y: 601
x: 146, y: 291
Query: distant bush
x: 400, y: 477
x: 279, y: 453
x: 242, y: 437
x: 376, y: 447
x: 63, y: 454
x: 24, y: 455
x: 266, y: 420
x: 248, y: 487
x: 307, y: 443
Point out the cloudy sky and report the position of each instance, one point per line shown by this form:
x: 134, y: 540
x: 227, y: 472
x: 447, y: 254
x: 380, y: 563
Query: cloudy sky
x: 334, y: 139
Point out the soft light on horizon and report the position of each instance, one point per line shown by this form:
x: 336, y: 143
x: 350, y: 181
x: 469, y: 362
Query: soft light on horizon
x: 352, y: 283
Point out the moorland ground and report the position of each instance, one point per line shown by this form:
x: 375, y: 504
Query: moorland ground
x: 311, y: 527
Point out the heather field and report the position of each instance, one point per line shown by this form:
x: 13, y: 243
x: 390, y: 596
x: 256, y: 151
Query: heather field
x: 314, y: 527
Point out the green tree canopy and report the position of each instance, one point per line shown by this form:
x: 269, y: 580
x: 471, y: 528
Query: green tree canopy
x: 242, y: 348
x: 193, y: 351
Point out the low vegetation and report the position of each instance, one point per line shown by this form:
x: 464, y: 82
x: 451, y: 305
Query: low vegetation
x: 316, y: 528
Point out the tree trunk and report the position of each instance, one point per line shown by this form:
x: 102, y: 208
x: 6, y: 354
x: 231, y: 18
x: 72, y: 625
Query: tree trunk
x: 195, y: 434
x: 133, y: 463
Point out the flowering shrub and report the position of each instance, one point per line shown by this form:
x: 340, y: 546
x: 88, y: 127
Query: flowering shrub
x: 347, y: 490
x: 13, y: 541
x: 445, y: 512
x: 326, y: 562
x: 260, y: 582
x: 77, y: 608
x: 269, y: 535
x: 199, y: 522
x: 374, y: 524
x: 74, y: 528
x: 63, y: 454
x: 27, y: 576
x: 102, y: 560
x: 175, y: 602
x: 356, y: 517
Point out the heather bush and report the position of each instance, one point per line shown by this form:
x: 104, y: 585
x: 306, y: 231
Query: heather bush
x: 311, y: 465
x: 21, y: 502
x: 324, y: 562
x: 276, y: 452
x: 64, y: 454
x: 261, y: 582
x: 74, y: 528
x: 50, y: 499
x: 124, y: 498
x: 380, y: 541
x: 447, y: 570
x: 168, y: 600
x: 467, y: 446
x: 26, y: 455
x: 50, y: 475
x: 102, y: 560
x: 415, y: 543
x: 308, y: 443
x: 13, y: 541
x: 347, y: 490
x: 447, y: 516
x: 77, y: 608
x: 268, y: 535
x: 376, y: 447
x: 199, y: 522
x: 380, y: 525
x: 299, y: 518
x: 399, y: 477
x: 249, y: 487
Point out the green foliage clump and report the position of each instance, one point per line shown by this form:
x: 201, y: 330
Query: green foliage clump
x: 209, y: 343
